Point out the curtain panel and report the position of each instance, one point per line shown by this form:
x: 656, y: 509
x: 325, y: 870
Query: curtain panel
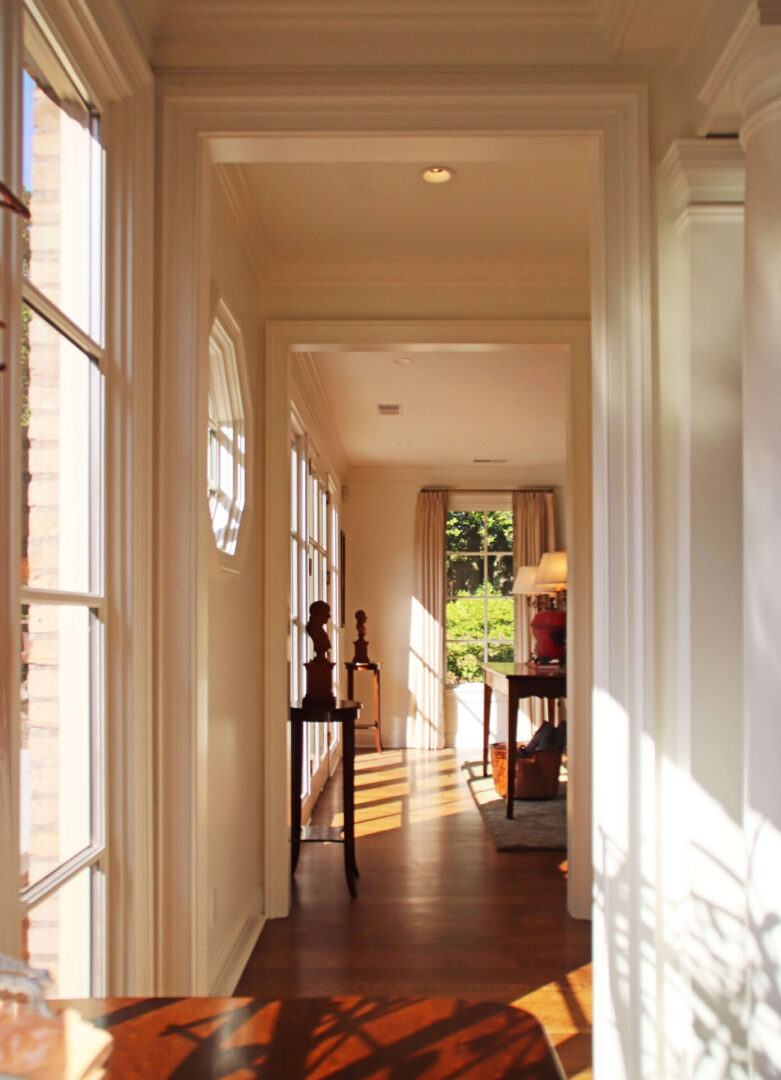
x: 534, y: 533
x: 426, y: 712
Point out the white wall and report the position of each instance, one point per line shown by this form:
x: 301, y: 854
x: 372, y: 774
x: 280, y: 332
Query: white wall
x: 235, y: 645
x: 379, y: 516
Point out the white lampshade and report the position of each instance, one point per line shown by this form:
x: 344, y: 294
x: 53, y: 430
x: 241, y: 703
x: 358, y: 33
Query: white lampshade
x: 525, y: 580
x: 552, y: 570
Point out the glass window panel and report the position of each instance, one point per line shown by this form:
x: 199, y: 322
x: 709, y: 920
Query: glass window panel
x: 293, y: 490
x: 60, y: 470
x: 463, y: 663
x: 62, y: 175
x: 465, y: 575
x: 501, y: 653
x: 500, y: 574
x: 56, y: 733
x: 465, y: 530
x: 293, y: 579
x: 501, y: 618
x: 57, y: 936
x: 465, y: 619
x: 499, y: 529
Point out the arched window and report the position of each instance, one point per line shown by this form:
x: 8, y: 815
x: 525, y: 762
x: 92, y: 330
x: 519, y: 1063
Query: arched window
x: 226, y: 454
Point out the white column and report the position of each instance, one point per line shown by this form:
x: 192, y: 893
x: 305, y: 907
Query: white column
x: 701, y: 778
x: 759, y: 88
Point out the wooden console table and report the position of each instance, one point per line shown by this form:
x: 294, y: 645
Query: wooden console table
x: 320, y: 1038
x: 344, y: 713
x: 517, y: 681
x: 352, y: 667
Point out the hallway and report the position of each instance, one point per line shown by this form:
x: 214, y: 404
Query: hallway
x: 439, y: 912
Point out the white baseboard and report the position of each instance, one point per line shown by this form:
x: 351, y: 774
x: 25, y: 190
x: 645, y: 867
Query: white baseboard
x: 229, y: 965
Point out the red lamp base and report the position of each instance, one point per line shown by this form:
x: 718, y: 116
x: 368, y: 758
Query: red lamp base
x: 550, y: 633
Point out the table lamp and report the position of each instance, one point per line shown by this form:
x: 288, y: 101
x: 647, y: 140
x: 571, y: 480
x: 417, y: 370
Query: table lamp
x: 550, y: 625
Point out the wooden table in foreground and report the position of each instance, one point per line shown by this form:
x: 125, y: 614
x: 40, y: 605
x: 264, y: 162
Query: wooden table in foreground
x: 348, y: 1038
x: 517, y: 681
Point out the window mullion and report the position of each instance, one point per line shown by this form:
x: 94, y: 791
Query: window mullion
x: 43, y: 306
x: 61, y: 875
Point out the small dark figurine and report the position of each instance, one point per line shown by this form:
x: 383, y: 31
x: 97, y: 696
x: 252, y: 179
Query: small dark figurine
x: 361, y: 644
x: 319, y: 614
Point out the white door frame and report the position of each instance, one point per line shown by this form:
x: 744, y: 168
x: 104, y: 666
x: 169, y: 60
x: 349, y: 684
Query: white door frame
x: 231, y: 120
x: 395, y: 338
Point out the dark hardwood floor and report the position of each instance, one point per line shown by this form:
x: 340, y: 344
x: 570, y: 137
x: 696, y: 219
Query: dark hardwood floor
x: 439, y: 911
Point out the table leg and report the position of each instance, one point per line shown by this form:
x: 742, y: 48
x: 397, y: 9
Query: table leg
x: 377, y: 732
x: 350, y: 684
x: 296, y: 765
x: 513, y: 698
x: 486, y: 722
x: 348, y: 799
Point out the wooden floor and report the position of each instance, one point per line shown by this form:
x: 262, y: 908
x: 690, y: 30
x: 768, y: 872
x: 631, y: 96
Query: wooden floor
x: 439, y: 911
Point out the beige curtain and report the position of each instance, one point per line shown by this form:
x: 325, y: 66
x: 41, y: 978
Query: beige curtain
x: 534, y: 533
x: 426, y: 713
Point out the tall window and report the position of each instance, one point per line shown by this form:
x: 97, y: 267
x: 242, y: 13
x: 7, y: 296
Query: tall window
x: 62, y: 764
x: 314, y: 575
x: 480, y: 605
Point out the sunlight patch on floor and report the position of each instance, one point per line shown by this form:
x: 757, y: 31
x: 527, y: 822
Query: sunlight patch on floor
x: 564, y: 1006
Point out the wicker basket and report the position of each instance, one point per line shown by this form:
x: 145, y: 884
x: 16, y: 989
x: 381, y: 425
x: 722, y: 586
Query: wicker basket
x: 536, y: 777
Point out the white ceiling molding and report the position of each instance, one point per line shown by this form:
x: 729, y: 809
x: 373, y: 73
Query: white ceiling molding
x: 249, y: 226
x: 306, y: 376
x: 705, y: 171
x: 508, y: 477
x: 529, y: 274
x: 102, y: 44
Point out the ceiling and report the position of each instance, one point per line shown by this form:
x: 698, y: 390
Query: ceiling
x: 505, y: 405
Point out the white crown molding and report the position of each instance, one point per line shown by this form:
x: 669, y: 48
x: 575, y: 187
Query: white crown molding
x: 529, y: 274
x: 509, y: 477
x: 305, y: 374
x: 244, y: 212
x: 101, y: 43
x: 705, y: 171
x: 747, y: 76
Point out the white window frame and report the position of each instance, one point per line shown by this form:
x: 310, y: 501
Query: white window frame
x: 480, y: 507
x: 93, y: 857
x: 227, y: 430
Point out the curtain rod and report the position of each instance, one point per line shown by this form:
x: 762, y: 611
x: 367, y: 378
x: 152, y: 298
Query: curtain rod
x: 489, y: 491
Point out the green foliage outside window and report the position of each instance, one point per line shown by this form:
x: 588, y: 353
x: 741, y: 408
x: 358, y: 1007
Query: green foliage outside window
x: 480, y: 610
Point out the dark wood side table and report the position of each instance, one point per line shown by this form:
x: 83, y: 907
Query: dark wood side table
x: 344, y: 713
x: 352, y: 667
x: 518, y: 681
x: 291, y: 1038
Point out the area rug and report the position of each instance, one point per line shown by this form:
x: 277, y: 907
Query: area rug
x: 537, y: 825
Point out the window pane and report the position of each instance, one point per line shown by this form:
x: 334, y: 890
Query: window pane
x: 500, y: 574
x: 293, y: 579
x: 501, y: 654
x: 465, y: 619
x: 501, y: 618
x: 465, y: 575
x: 56, y: 936
x: 499, y: 527
x: 463, y: 663
x: 60, y: 470
x: 464, y: 530
x: 56, y: 757
x: 293, y: 489
x: 62, y: 171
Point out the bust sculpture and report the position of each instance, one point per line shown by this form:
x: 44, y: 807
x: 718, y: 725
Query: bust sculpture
x: 361, y: 644
x: 319, y: 669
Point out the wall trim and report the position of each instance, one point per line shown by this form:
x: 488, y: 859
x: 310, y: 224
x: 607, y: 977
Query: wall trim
x: 229, y: 964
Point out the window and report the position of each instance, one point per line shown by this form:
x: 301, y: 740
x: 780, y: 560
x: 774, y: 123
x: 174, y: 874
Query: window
x: 62, y: 763
x: 226, y: 455
x: 480, y: 608
x: 314, y: 575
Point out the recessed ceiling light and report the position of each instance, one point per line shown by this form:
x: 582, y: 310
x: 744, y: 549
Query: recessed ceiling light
x: 402, y: 360
x: 404, y: 442
x: 438, y: 174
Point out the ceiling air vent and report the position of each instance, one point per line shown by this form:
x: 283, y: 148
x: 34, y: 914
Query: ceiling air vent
x: 389, y: 410
x: 489, y: 461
